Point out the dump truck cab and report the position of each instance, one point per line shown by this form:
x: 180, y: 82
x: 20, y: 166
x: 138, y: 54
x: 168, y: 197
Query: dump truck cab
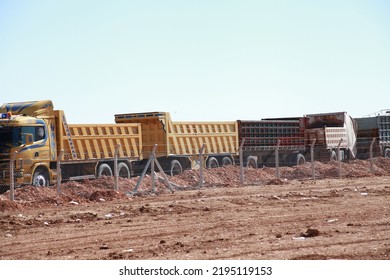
x: 29, y: 140
x: 33, y: 135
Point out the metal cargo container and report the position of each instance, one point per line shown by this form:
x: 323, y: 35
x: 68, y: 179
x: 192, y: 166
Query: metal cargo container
x: 261, y: 138
x: 377, y: 127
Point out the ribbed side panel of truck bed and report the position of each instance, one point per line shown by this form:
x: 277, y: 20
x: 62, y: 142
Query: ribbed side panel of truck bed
x: 98, y: 141
x: 182, y: 138
x: 264, y: 134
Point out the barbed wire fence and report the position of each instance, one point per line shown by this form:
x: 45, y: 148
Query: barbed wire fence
x: 152, y: 163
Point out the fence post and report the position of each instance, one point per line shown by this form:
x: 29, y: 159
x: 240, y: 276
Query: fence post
x: 201, y: 151
x: 11, y: 176
x: 116, y: 173
x: 151, y: 158
x: 339, y: 156
x: 241, y: 163
x: 59, y: 172
x: 164, y: 176
x: 152, y: 175
x: 371, y: 155
x: 277, y: 160
x: 312, y: 158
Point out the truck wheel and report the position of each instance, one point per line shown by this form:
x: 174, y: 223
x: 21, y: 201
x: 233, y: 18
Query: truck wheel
x: 212, y: 162
x: 123, y: 170
x: 226, y: 161
x: 300, y: 159
x: 104, y: 170
x: 251, y: 162
x: 176, y: 167
x: 386, y: 154
x: 40, y: 178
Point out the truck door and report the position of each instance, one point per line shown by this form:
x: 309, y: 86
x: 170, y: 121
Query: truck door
x: 38, y: 150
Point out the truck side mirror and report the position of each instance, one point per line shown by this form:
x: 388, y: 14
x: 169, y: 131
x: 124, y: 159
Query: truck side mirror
x: 28, y: 138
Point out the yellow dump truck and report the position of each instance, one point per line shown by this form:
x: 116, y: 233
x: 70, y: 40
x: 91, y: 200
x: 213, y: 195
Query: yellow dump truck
x: 179, y: 143
x: 36, y: 133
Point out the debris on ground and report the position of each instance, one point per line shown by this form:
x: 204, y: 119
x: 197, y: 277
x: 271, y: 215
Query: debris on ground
x: 102, y: 190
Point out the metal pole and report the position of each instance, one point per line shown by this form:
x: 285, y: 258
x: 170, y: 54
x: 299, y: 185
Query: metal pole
x: 59, y: 172
x: 165, y: 178
x: 371, y: 155
x: 151, y: 158
x: 241, y: 163
x: 277, y: 160
x: 11, y: 176
x: 201, y: 151
x: 152, y: 174
x: 116, y: 173
x: 312, y: 158
x: 339, y: 156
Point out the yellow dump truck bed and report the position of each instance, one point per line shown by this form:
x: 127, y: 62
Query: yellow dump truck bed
x: 183, y: 138
x: 97, y: 141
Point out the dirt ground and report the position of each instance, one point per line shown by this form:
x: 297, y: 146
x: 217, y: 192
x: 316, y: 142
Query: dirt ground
x: 294, y: 217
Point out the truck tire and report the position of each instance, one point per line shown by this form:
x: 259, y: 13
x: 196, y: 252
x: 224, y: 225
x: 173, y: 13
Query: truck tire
x: 40, y: 178
x: 226, y: 161
x: 386, y: 153
x: 251, y: 162
x: 123, y: 170
x: 212, y: 162
x: 300, y: 159
x: 104, y: 170
x: 175, y: 168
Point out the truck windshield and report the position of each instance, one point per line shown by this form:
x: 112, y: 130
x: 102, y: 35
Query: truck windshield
x: 13, y: 136
x: 9, y: 137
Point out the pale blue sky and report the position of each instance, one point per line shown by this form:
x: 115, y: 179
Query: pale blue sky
x: 200, y: 60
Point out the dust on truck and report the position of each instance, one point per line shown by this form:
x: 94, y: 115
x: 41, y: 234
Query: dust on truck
x: 328, y: 129
x: 37, y: 133
x: 374, y: 127
x: 179, y: 143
